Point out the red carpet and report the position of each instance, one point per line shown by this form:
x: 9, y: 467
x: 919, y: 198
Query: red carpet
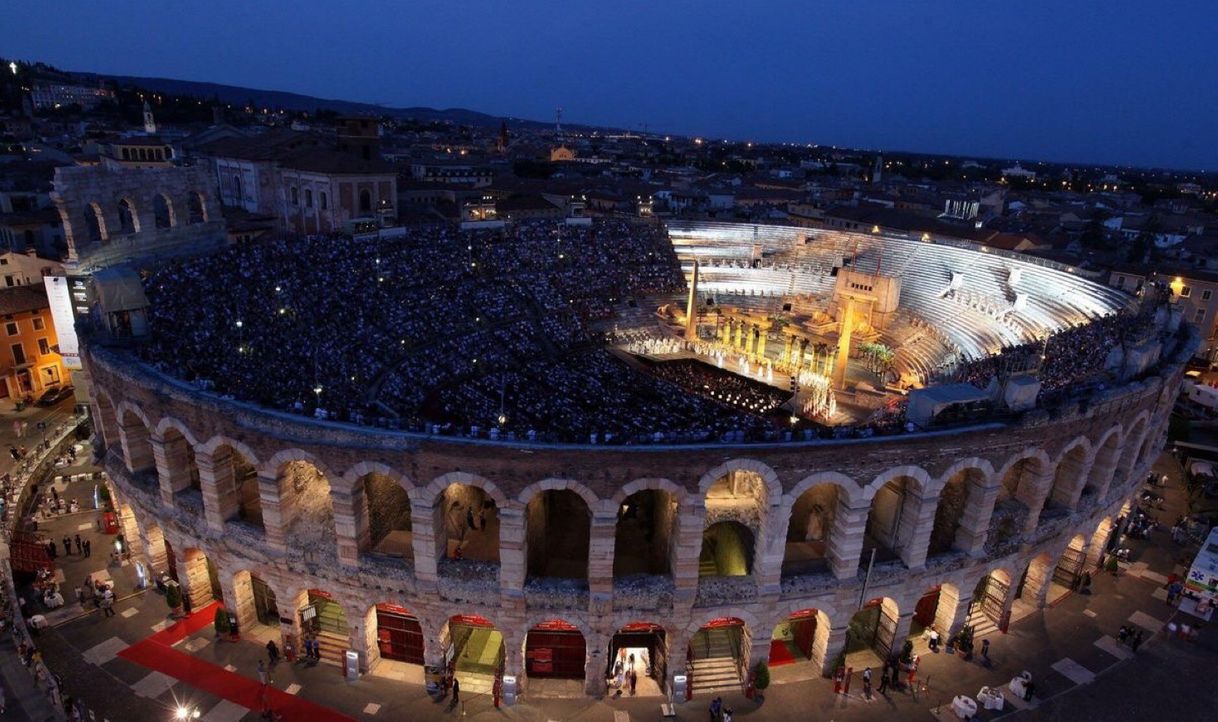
x: 780, y: 653
x: 157, y: 653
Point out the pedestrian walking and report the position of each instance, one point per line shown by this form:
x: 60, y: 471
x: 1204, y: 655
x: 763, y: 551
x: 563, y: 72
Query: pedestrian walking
x: 884, y: 681
x: 456, y: 690
x: 1122, y: 634
x: 262, y: 678
x: 634, y: 681
x: 88, y: 547
x: 1137, y: 640
x: 78, y: 547
x: 272, y: 651
x: 52, y: 550
x: 54, y: 493
x: 107, y: 606
x: 716, y: 708
x: 867, y: 683
x: 67, y: 545
x: 985, y: 651
x: 1173, y: 591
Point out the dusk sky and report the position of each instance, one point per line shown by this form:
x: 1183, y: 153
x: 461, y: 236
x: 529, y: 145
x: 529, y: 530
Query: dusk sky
x: 1113, y: 82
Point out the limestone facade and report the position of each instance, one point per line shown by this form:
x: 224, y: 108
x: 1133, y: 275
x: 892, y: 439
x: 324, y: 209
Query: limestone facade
x: 1028, y: 491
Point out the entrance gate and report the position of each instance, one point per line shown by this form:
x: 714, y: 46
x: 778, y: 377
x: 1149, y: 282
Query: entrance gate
x: 886, y: 633
x: 398, y: 634
x: 642, y: 636
x: 555, y: 649
x: 265, y: 607
x: 323, y: 614
x: 1070, y: 568
x: 994, y: 597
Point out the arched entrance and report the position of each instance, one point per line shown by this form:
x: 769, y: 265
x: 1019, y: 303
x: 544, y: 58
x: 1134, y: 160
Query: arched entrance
x: 1067, y: 482
x: 399, y: 636
x: 471, y: 523
x: 873, y: 629
x: 474, y: 652
x: 643, y: 647
x: 1069, y: 569
x: 812, y: 517
x: 988, y: 607
x: 306, y: 509
x: 266, y: 608
x: 558, y: 530
x: 889, y: 527
x: 925, y: 611
x: 718, y: 654
x: 384, y: 524
x: 643, y: 539
x: 727, y: 550
x: 555, y: 649
x: 949, y: 512
x: 800, y: 639
x: 1035, y: 584
x: 324, y: 618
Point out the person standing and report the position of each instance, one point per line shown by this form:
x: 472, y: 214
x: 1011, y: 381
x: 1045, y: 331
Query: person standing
x: 78, y: 547
x: 867, y: 683
x: 884, y: 681
x: 1137, y: 640
x: 67, y: 545
x: 88, y: 547
x: 456, y: 690
x: 262, y: 678
x: 634, y: 681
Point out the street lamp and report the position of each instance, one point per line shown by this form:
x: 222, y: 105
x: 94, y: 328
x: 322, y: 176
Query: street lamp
x: 186, y: 713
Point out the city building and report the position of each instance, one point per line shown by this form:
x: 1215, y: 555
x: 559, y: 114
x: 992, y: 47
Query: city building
x: 29, y: 363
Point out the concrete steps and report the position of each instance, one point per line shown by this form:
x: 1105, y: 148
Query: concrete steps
x: 982, y: 625
x: 707, y: 568
x: 332, y: 647
x: 715, y: 674
x: 474, y: 683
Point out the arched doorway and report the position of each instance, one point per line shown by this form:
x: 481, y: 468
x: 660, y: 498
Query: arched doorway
x: 727, y: 550
x: 949, y: 512
x: 471, y: 523
x: 1034, y: 584
x: 988, y: 607
x: 474, y: 652
x: 385, y: 526
x: 266, y: 608
x: 555, y: 649
x: 718, y: 654
x: 236, y: 482
x: 326, y: 620
x: 1069, y: 569
x: 812, y: 517
x: 1067, y: 480
x: 95, y: 224
x: 1011, y: 509
x: 128, y: 222
x: 558, y: 532
x: 399, y: 636
x: 162, y: 211
x: 800, y: 639
x: 889, y: 527
x: 306, y: 509
x: 873, y: 630
x: 925, y: 611
x: 643, y: 647
x: 643, y: 540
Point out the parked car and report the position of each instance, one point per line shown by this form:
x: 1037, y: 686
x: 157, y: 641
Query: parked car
x: 53, y: 396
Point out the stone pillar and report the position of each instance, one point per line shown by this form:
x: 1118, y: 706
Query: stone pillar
x: 597, y: 646
x: 602, y: 534
x: 918, y: 513
x: 739, y: 333
x: 904, y: 624
x: 835, y: 642
x: 952, y: 612
x: 846, y: 538
x: 1036, y: 586
x: 687, y: 546
x: 761, y: 344
x: 975, y: 521
x: 372, y: 651
x: 357, y: 637
x: 768, y: 567
x: 429, y: 539
x: 220, y: 497
x: 1035, y: 497
x: 273, y: 515
x: 786, y: 349
x: 153, y: 542
x: 137, y: 449
x: 843, y: 344
x: 725, y: 333
x: 345, y: 515
x: 289, y: 609
x: 512, y: 550
x: 363, y: 523
x: 239, y: 598
x: 172, y: 467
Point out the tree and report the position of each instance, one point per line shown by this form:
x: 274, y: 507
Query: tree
x: 221, y: 621
x: 761, y: 676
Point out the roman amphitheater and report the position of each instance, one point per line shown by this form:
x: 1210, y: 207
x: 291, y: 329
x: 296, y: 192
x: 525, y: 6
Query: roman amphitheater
x: 544, y: 558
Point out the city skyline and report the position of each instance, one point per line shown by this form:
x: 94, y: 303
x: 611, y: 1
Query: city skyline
x: 1038, y: 82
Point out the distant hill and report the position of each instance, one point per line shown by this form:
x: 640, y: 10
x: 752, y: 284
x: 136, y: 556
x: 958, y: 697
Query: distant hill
x: 239, y: 96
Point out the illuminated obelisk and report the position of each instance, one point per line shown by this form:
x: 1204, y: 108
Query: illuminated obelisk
x: 691, y: 308
x: 843, y: 344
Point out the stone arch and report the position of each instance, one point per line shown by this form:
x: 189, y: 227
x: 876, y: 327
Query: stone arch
x: 875, y: 626
x: 177, y: 466
x: 1020, y: 494
x: 812, y: 509
x: 1100, y: 540
x: 1037, y: 575
x: 892, y: 529
x: 769, y: 477
x: 1069, y: 474
x: 297, y: 504
x: 645, y: 537
x: 211, y: 445
x: 651, y: 483
x: 128, y: 216
x: 163, y: 211
x: 380, y: 500
x: 962, y: 508
x: 1130, y: 445
x: 1070, y: 566
x: 168, y: 422
x: 286, y: 456
x: 744, y: 615
x: 95, y: 224
x: 800, y: 635
x: 136, y: 438
x: 196, y: 205
x: 1105, y: 455
x: 558, y: 537
x: 554, y: 484
x: 466, y: 516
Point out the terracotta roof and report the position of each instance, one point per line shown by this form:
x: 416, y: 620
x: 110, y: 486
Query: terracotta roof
x: 23, y: 298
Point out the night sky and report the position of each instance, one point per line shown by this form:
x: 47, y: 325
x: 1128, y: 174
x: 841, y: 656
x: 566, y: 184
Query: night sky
x: 1099, y: 82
